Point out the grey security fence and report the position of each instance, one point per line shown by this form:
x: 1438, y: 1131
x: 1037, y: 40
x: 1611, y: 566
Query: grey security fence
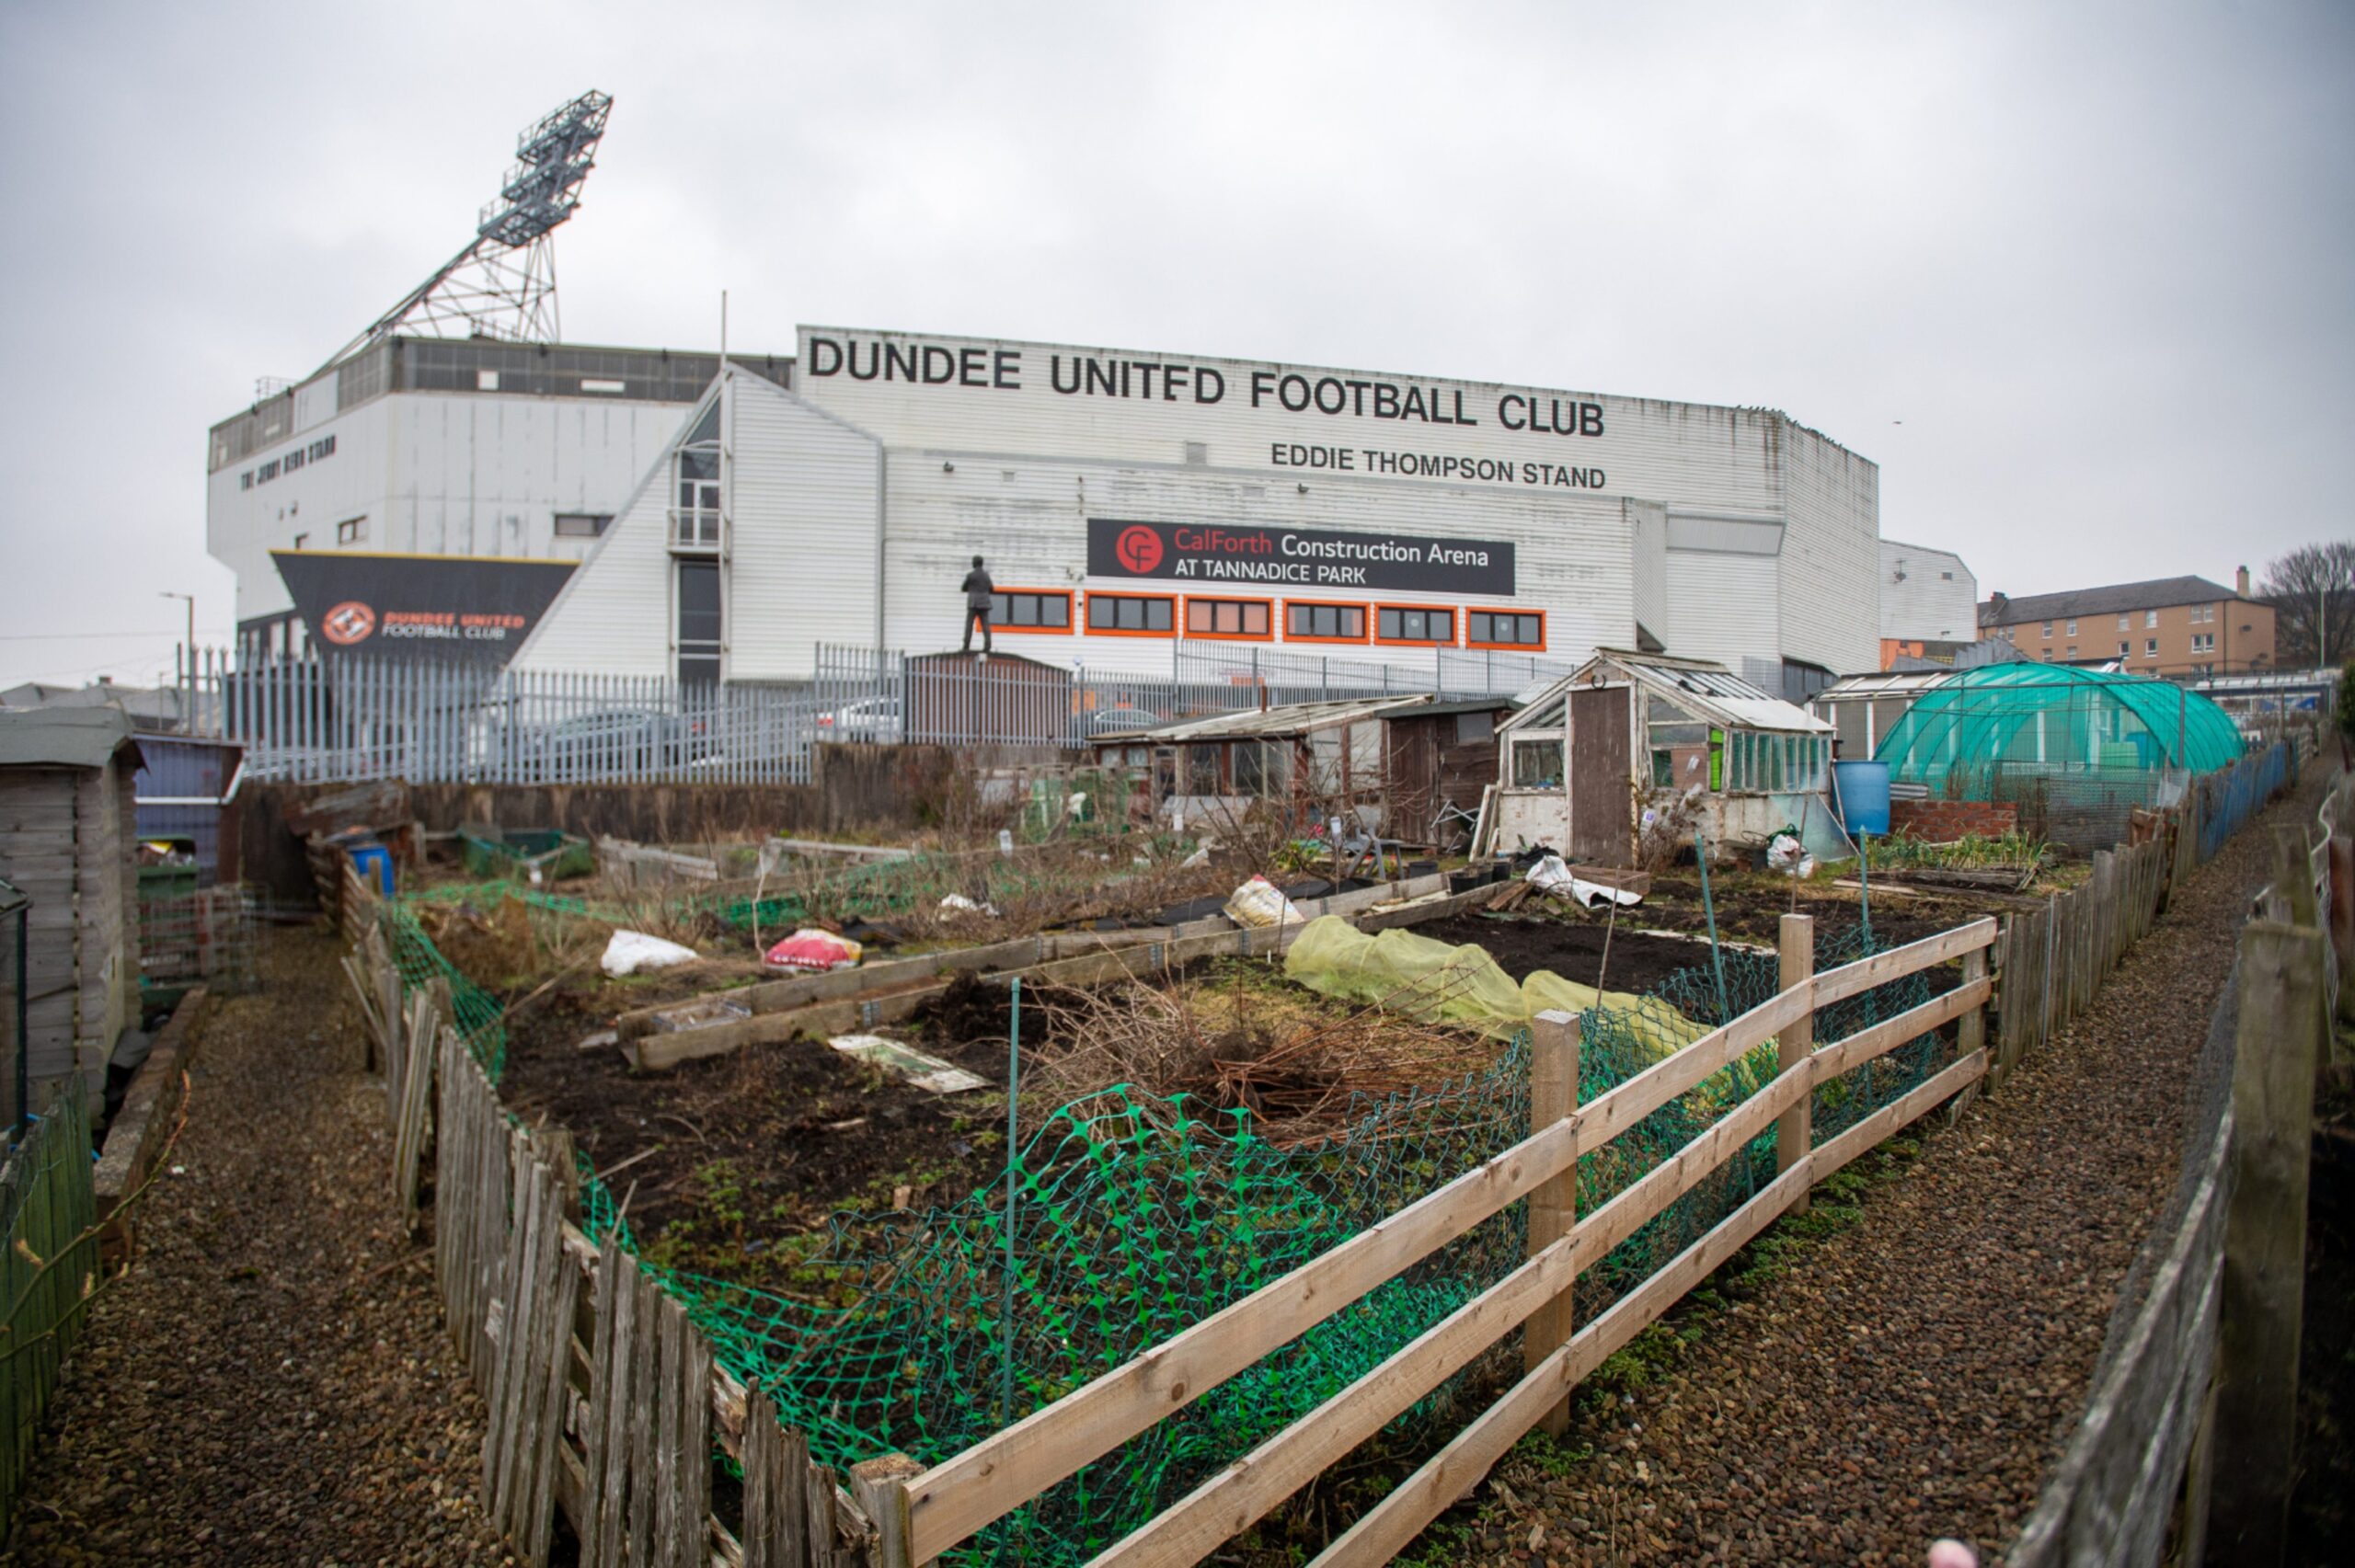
x: 351, y: 719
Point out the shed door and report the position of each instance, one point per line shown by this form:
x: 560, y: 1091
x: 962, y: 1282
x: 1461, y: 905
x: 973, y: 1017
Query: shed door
x: 1600, y: 833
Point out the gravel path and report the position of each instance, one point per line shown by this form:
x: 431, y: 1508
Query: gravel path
x: 1916, y: 1374
x: 270, y: 1384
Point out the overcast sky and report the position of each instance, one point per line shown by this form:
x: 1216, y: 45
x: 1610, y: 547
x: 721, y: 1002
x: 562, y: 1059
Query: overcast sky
x: 2083, y: 286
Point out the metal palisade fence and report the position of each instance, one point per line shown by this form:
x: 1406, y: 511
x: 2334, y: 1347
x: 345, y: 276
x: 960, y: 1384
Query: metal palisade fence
x: 349, y: 718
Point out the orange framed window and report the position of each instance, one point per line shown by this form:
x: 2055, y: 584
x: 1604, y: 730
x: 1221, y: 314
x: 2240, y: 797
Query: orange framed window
x: 1241, y: 619
x: 1131, y: 615
x: 1323, y: 621
x: 1417, y: 626
x: 1523, y: 629
x: 1045, y: 611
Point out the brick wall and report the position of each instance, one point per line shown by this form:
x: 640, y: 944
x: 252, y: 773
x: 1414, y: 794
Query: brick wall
x: 1942, y: 821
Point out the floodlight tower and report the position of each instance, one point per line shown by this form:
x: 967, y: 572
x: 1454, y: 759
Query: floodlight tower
x: 502, y: 284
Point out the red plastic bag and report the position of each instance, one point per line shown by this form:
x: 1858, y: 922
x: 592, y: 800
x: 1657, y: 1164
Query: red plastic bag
x: 811, y: 949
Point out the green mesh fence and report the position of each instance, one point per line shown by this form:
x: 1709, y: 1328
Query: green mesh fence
x: 479, y: 1014
x: 1134, y: 1218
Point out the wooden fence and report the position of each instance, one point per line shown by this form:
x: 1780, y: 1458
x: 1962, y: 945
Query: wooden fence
x: 2140, y: 1463
x: 604, y: 1400
x: 49, y: 1257
x: 933, y: 1510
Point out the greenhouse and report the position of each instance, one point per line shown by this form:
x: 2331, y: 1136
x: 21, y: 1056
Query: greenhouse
x: 2075, y: 748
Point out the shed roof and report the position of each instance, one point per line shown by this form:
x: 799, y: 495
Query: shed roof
x: 1882, y: 683
x: 1707, y: 688
x: 62, y: 738
x: 1287, y: 719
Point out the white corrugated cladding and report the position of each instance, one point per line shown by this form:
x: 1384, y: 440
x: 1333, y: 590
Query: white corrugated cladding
x: 484, y: 474
x: 1030, y: 429
x: 1723, y: 603
x: 1647, y: 537
x: 243, y: 521
x: 1926, y: 594
x: 1029, y: 519
x: 804, y: 511
x: 431, y: 474
x: 1831, y: 561
x: 613, y: 613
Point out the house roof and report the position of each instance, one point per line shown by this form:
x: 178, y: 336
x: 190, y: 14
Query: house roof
x: 1882, y: 683
x: 1289, y: 718
x: 62, y: 738
x: 2112, y: 598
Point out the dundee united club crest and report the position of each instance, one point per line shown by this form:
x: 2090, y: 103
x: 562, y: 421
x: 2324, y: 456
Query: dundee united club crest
x: 348, y: 623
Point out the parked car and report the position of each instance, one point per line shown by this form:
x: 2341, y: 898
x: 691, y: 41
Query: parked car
x: 607, y: 743
x: 874, y: 718
x: 1121, y: 720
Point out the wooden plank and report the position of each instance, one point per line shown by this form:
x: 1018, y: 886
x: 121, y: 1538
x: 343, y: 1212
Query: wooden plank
x: 1795, y: 957
x: 556, y: 1393
x: 1384, y: 1530
x: 2264, y: 1240
x: 670, y: 1525
x: 693, y: 1475
x: 1553, y: 1203
x: 879, y: 1486
x: 597, y: 1495
x: 642, y: 1417
x: 758, y: 1456
x: 1850, y: 979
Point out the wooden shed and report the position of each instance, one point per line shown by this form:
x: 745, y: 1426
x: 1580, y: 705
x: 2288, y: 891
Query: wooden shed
x: 959, y: 699
x: 1394, y: 761
x: 68, y: 830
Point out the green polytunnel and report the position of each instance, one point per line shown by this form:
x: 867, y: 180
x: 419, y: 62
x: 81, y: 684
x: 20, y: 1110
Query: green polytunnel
x: 2042, y: 718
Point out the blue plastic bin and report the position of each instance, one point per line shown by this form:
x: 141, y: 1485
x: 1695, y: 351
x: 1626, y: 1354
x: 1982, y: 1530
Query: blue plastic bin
x: 1863, y: 789
x: 375, y: 861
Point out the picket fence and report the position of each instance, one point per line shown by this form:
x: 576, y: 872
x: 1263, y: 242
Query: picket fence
x: 604, y: 1400
x: 48, y: 1255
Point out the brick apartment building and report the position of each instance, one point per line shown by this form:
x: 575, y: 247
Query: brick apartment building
x: 2184, y: 627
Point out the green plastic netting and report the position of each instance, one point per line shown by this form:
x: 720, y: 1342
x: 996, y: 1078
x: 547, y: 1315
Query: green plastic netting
x: 1135, y: 1218
x: 2057, y: 718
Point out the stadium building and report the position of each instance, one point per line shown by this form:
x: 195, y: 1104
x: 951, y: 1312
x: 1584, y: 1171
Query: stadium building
x: 1127, y: 502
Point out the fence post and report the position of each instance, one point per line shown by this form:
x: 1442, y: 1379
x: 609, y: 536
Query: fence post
x: 2265, y: 1242
x: 1554, y: 1206
x: 1794, y: 1131
x: 879, y: 1486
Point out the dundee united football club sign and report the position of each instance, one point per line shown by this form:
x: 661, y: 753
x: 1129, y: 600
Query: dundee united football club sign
x: 433, y: 609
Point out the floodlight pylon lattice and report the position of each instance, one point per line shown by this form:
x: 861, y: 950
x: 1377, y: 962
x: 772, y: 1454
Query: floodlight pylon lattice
x: 503, y: 285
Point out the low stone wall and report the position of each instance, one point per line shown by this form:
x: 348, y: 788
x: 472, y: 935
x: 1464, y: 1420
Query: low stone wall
x: 1943, y: 821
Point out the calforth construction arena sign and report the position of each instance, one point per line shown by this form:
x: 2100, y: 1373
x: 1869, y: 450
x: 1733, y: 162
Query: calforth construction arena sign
x: 1300, y: 557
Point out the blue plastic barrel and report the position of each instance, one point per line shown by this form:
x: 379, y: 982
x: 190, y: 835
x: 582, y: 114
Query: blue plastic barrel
x: 375, y: 861
x: 1864, y: 795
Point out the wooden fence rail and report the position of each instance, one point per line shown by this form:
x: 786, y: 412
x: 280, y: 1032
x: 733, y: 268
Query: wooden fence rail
x: 946, y: 1505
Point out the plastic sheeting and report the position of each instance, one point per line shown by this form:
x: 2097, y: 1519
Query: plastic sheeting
x: 1440, y: 982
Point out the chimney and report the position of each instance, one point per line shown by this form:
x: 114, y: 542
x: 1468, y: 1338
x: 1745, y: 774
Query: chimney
x: 2240, y: 582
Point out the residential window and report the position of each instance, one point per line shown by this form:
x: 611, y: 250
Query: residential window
x: 1030, y: 609
x: 1497, y: 628
x: 2072, y: 628
x: 2203, y: 642
x: 2124, y: 622
x: 2150, y: 647
x: 2125, y: 648
x: 1132, y: 614
x: 2205, y: 612
x: 351, y: 531
x: 696, y: 523
x: 2150, y: 620
x: 1227, y: 618
x: 581, y: 524
x: 2073, y: 651
x: 1400, y: 624
x: 2047, y: 628
x: 1325, y: 623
